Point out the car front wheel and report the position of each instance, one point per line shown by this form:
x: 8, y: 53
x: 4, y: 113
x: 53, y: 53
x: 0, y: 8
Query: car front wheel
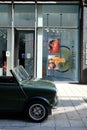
x: 37, y: 111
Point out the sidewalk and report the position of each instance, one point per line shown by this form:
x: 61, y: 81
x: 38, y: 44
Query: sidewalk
x: 71, y: 113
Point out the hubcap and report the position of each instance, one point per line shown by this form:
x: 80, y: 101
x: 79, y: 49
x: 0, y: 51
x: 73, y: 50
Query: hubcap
x: 37, y: 112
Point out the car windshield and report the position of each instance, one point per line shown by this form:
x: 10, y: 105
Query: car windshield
x: 20, y: 73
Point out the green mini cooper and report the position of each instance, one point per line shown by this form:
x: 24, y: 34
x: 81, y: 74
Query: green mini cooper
x: 31, y: 96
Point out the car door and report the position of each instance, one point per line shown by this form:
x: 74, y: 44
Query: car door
x: 10, y: 95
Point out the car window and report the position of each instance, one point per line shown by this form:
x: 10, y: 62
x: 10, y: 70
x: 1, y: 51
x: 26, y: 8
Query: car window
x: 20, y: 73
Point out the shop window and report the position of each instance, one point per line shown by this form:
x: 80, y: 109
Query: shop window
x: 60, y: 42
x: 60, y: 15
x: 24, y: 15
x: 60, y: 57
x: 3, y: 49
x: 5, y: 15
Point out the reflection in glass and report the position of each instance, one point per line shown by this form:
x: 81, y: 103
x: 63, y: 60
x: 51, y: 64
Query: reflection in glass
x: 24, y: 15
x: 3, y: 49
x: 5, y: 15
x: 66, y: 58
x: 60, y: 15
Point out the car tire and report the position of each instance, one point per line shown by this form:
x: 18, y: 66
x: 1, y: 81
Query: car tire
x: 37, y: 111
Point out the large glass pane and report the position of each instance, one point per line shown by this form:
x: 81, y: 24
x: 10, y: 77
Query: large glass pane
x: 3, y: 49
x: 24, y: 15
x: 60, y: 57
x: 5, y: 15
x: 60, y: 15
x: 60, y: 41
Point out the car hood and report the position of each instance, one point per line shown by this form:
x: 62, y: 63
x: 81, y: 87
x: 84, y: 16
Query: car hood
x: 39, y: 83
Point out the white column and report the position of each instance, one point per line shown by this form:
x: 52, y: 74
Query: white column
x: 39, y: 42
x: 39, y: 53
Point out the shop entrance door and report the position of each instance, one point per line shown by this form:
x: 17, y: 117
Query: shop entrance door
x: 24, y: 50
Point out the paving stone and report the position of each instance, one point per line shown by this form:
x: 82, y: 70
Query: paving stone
x: 62, y: 123
x: 48, y: 123
x: 77, y: 123
x: 28, y: 128
x: 85, y: 121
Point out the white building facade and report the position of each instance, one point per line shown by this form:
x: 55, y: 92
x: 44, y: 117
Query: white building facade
x: 30, y: 29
